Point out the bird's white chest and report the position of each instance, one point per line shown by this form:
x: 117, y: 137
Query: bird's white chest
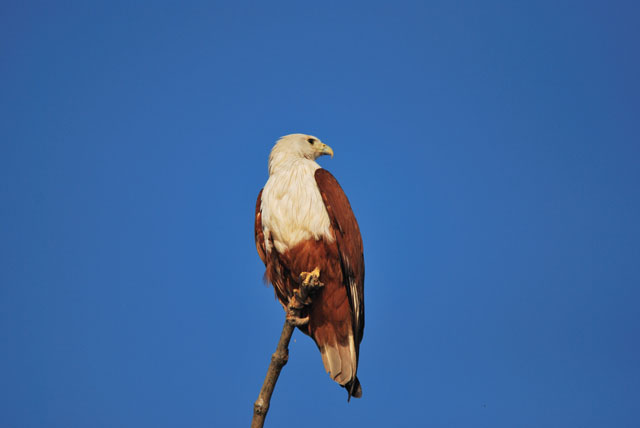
x: 292, y: 207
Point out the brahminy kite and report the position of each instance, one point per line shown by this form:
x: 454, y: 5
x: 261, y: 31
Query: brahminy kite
x: 304, y: 223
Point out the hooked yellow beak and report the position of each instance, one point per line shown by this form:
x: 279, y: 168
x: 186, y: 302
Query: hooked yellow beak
x: 326, y: 150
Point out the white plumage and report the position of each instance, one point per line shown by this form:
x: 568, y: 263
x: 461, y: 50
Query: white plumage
x: 291, y: 212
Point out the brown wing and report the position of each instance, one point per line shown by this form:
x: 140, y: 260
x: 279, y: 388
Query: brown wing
x: 259, y: 234
x: 349, y: 244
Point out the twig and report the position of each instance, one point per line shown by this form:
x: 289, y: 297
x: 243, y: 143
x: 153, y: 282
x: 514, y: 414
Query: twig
x: 281, y: 356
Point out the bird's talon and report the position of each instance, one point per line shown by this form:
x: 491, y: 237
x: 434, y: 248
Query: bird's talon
x: 297, y: 321
x: 295, y: 304
x: 311, y: 279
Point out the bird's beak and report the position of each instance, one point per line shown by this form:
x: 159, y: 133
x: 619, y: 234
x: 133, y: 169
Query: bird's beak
x: 326, y: 150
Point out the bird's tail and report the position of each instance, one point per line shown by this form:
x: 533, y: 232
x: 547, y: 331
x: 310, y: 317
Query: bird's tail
x: 341, y: 362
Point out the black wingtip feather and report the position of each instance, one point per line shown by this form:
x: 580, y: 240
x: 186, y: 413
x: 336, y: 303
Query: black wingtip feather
x: 353, y: 389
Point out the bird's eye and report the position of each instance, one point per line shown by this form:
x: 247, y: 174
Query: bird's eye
x: 311, y: 140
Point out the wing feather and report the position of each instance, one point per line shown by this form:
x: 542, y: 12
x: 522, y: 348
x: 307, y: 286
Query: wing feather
x: 349, y: 242
x: 259, y: 234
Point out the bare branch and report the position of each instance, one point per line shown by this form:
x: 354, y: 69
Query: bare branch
x: 279, y: 358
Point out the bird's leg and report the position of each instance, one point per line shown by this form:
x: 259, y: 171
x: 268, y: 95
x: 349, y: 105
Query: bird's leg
x: 309, y: 283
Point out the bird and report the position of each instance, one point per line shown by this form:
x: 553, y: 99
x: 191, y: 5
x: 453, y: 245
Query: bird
x: 305, y: 229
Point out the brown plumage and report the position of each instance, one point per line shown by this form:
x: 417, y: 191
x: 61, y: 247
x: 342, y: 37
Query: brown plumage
x: 336, y: 314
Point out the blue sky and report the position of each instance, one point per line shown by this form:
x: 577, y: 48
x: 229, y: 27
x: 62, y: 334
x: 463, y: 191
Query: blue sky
x: 490, y: 152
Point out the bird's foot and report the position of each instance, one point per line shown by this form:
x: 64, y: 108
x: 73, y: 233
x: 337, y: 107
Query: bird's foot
x: 294, y: 308
x: 296, y: 321
x: 309, y: 283
x: 311, y: 279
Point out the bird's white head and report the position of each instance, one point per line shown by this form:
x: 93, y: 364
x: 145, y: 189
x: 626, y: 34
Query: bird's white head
x: 295, y: 147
